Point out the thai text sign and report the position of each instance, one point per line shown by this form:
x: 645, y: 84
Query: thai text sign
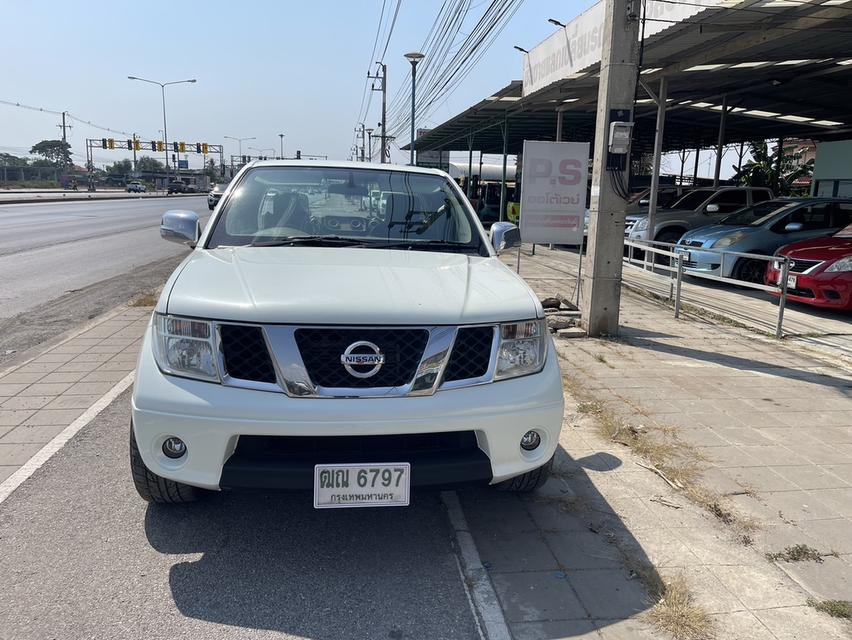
x: 553, y: 191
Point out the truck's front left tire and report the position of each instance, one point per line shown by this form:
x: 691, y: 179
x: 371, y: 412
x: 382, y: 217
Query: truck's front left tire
x: 154, y: 488
x: 529, y: 481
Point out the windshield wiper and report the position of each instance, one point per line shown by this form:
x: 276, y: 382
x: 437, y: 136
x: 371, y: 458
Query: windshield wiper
x: 334, y: 241
x: 423, y: 244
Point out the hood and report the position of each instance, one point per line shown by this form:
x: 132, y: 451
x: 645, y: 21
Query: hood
x: 717, y: 231
x: 343, y: 285
x: 830, y: 248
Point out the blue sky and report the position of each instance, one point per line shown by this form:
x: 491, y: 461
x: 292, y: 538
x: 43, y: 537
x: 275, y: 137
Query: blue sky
x: 263, y: 68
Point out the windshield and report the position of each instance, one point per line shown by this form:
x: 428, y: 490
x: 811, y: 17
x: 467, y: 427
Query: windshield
x: 693, y: 199
x: 345, y: 207
x: 758, y: 214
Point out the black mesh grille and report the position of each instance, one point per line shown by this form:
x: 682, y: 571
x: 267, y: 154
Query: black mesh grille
x: 471, y: 354
x: 321, y: 350
x: 246, y: 355
x: 798, y: 265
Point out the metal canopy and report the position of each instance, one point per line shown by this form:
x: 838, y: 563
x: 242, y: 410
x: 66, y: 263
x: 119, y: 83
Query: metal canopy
x: 784, y: 67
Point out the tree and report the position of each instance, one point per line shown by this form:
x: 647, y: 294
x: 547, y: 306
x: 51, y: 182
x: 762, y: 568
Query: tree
x: 762, y: 169
x: 122, y: 167
x: 55, y: 151
x: 149, y: 164
x: 210, y: 170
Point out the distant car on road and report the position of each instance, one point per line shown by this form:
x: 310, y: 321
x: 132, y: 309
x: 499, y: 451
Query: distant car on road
x: 135, y: 186
x: 761, y: 228
x: 179, y: 186
x: 216, y: 194
x: 820, y: 271
x: 697, y: 208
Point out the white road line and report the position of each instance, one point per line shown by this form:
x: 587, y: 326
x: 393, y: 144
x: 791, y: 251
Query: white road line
x: 476, y: 582
x: 61, y: 439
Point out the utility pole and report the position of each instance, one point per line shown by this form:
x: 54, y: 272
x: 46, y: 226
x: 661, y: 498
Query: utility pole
x: 601, y: 287
x: 134, y: 153
x: 384, y: 78
x: 369, y: 143
x: 281, y: 137
x: 64, y: 126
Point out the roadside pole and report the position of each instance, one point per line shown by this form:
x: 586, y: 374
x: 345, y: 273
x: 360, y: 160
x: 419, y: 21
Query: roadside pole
x: 720, y: 143
x: 619, y: 65
x: 658, y: 150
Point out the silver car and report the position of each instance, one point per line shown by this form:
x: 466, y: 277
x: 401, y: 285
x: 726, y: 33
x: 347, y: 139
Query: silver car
x: 762, y: 229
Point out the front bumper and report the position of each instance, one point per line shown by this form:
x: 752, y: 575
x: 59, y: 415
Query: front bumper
x: 706, y: 262
x: 826, y: 290
x: 211, y: 418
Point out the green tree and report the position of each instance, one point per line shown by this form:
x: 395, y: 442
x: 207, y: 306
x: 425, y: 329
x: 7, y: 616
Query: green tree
x: 210, y: 170
x: 147, y: 163
x: 55, y: 151
x: 122, y: 167
x: 763, y: 169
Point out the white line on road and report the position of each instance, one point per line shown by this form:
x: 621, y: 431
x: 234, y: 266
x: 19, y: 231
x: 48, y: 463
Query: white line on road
x: 476, y: 582
x: 61, y: 439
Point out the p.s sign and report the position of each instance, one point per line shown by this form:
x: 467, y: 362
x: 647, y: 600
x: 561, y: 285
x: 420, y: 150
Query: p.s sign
x: 553, y: 191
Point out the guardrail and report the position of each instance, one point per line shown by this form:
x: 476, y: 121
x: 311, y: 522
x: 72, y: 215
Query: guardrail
x: 677, y: 255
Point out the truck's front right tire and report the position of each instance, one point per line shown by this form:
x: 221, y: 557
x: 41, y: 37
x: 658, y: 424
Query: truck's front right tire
x: 529, y: 481
x: 154, y: 488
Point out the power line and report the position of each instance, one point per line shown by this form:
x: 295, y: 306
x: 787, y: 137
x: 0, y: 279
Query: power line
x: 20, y: 105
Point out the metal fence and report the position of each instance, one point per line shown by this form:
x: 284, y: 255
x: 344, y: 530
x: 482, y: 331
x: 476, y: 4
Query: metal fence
x: 666, y: 260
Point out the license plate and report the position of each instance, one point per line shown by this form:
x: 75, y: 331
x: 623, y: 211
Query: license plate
x: 338, y: 486
x: 791, y: 282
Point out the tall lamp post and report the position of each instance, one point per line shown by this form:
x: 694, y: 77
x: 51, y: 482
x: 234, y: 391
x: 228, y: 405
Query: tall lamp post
x: 281, y: 137
x: 370, y: 143
x: 163, y: 86
x: 240, y: 141
x: 260, y: 151
x: 414, y: 57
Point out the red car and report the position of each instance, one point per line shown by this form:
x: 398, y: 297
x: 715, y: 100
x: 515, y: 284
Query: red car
x: 820, y: 271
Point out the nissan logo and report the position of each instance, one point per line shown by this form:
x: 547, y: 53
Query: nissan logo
x: 369, y: 355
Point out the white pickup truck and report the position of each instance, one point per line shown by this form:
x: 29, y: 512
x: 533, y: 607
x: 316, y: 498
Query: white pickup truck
x: 355, y: 347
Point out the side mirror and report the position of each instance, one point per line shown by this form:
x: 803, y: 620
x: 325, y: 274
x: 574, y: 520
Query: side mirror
x: 181, y: 227
x: 793, y: 226
x: 504, y: 235
x: 644, y: 202
x: 712, y: 208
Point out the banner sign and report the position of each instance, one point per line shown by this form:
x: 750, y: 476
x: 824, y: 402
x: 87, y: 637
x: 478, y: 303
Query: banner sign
x: 579, y: 44
x: 553, y: 191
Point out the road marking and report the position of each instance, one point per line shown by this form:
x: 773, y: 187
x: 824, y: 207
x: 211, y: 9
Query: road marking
x: 477, y: 584
x: 61, y: 439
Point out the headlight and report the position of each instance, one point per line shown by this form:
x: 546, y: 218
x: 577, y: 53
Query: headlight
x: 522, y: 349
x: 641, y: 224
x: 185, y: 347
x: 844, y: 264
x: 727, y: 241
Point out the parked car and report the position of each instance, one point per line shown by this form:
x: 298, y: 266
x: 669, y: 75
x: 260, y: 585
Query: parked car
x: 820, y: 271
x: 762, y: 229
x: 135, y: 186
x: 356, y: 363
x: 666, y: 197
x: 697, y: 208
x: 176, y: 186
x: 216, y: 194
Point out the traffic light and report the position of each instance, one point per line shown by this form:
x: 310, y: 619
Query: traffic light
x: 160, y: 145
x: 130, y: 145
x: 197, y: 147
x: 111, y: 143
x: 182, y: 147
x: 175, y: 147
x: 204, y: 148
x: 103, y: 143
x: 137, y: 144
x: 298, y: 154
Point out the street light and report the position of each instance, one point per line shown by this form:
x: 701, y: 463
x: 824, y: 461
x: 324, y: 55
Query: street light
x: 260, y: 151
x: 370, y: 142
x: 556, y: 23
x: 281, y: 136
x: 414, y: 57
x: 163, y: 86
x: 521, y: 49
x: 240, y: 141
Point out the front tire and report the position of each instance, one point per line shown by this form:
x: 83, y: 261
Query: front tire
x: 750, y: 270
x: 529, y: 481
x: 154, y: 488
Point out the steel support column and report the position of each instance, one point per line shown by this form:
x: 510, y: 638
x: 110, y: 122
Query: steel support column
x: 695, y: 167
x: 559, y: 113
x: 720, y: 143
x: 503, y: 183
x: 658, y: 151
x: 470, y: 166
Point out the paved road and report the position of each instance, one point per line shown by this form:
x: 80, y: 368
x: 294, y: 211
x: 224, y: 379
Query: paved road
x: 84, y: 557
x: 65, y: 262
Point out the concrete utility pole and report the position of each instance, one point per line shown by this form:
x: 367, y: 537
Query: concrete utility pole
x: 384, y: 78
x: 369, y: 144
x: 619, y: 66
x: 134, y: 151
x: 63, y: 126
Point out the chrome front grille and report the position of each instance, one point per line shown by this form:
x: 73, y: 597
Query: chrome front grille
x: 308, y: 362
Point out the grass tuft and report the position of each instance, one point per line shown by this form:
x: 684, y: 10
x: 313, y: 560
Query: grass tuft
x: 796, y: 553
x: 677, y: 613
x: 145, y: 300
x: 834, y: 608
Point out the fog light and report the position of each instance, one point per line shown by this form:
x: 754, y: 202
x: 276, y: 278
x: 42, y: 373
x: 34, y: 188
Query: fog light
x: 174, y: 447
x: 530, y: 441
